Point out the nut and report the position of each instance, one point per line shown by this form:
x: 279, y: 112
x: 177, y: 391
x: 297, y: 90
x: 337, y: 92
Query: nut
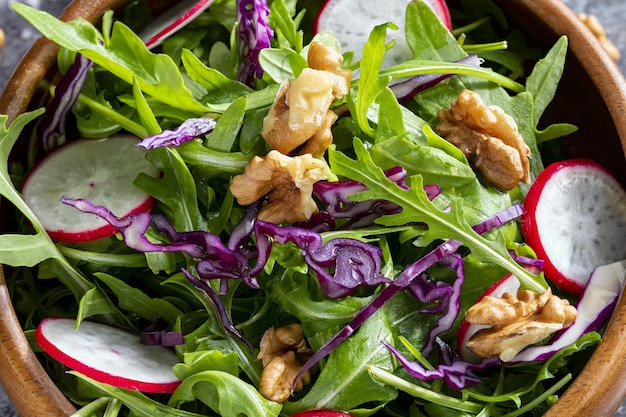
x: 489, y: 138
x: 593, y: 24
x: 283, y: 352
x: 286, y: 181
x: 301, y: 110
x: 516, y: 321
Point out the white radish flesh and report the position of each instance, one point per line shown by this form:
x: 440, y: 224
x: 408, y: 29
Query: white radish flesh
x: 109, y: 355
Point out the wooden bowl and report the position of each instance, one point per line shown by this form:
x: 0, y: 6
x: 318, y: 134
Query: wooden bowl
x: 592, y: 95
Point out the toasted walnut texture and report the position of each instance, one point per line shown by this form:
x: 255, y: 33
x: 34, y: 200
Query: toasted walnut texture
x: 489, y: 138
x: 594, y: 25
x: 286, y: 181
x: 516, y: 321
x: 301, y: 110
x: 283, y: 352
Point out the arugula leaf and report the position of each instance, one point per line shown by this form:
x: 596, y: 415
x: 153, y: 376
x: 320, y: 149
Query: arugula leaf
x: 125, y: 56
x: 218, y: 389
x: 417, y: 207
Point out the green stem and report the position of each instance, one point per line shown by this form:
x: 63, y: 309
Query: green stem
x: 129, y: 125
x: 423, y: 393
x: 422, y: 67
x: 134, y: 260
x: 230, y: 162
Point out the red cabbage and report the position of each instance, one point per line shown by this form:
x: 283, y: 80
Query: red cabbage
x: 406, y: 90
x: 219, y: 307
x: 157, y: 334
x: 255, y: 34
x: 188, y: 130
x: 66, y: 93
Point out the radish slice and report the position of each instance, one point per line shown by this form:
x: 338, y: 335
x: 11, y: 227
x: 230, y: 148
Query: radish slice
x: 594, y: 308
x: 109, y: 355
x: 102, y: 171
x: 352, y: 21
x: 172, y: 20
x: 575, y: 220
x: 509, y: 283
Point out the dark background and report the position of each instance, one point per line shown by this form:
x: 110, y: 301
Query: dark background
x: 19, y: 36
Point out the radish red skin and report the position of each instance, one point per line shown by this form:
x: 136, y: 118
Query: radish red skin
x: 100, y: 375
x: 531, y: 229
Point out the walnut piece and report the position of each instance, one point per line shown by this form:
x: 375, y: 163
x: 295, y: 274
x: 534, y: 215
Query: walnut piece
x: 516, y: 321
x: 284, y: 351
x: 489, y: 138
x: 286, y: 181
x: 593, y: 24
x: 301, y: 110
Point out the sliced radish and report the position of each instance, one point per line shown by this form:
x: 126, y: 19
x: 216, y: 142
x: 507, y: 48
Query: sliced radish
x: 172, y: 20
x: 102, y: 171
x: 352, y: 21
x: 575, y: 220
x: 109, y: 355
x: 509, y: 283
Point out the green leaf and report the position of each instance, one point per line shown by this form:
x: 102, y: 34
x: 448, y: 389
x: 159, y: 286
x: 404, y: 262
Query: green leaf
x: 344, y: 382
x: 427, y: 37
x: 176, y: 189
x: 136, y: 301
x: 226, y: 394
x: 146, y: 115
x: 139, y: 404
x: 227, y: 127
x: 370, y: 85
x: 544, y: 79
x: 125, y: 56
x: 206, y: 360
x: 281, y: 63
x: 93, y: 303
x: 417, y: 208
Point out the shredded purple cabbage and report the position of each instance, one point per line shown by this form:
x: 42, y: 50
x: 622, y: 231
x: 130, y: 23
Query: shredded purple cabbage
x: 406, y: 90
x: 525, y: 260
x: 219, y: 307
x: 188, y: 130
x: 66, y: 93
x: 336, y: 197
x: 409, y: 276
x: 255, y: 34
x: 456, y: 373
x: 157, y: 334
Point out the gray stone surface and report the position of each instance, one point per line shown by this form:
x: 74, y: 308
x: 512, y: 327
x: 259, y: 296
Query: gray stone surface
x: 19, y: 36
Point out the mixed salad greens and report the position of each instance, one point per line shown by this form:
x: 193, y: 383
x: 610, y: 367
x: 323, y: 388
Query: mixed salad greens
x: 407, y: 235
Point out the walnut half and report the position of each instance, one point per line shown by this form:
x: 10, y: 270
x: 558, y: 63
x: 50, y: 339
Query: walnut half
x: 489, y: 138
x: 287, y: 181
x: 516, y: 321
x: 284, y: 351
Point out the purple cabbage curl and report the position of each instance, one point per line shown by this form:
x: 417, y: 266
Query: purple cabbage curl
x: 66, y: 93
x: 404, y: 281
x: 354, y: 263
x: 217, y: 304
x: 456, y: 373
x: 157, y: 334
x: 406, y: 90
x: 255, y: 34
x: 188, y: 130
x: 336, y: 197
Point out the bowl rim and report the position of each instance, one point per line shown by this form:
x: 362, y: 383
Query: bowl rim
x: 21, y: 373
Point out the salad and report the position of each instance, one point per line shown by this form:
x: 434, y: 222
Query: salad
x: 256, y: 212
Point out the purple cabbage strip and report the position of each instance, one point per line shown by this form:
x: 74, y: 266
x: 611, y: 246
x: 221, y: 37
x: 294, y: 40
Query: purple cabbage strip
x: 525, y: 260
x: 221, y: 311
x: 355, y: 263
x: 335, y: 195
x: 188, y: 130
x: 594, y: 307
x: 66, y: 93
x: 406, y: 90
x: 403, y: 281
x: 157, y: 334
x: 451, y: 301
x: 456, y: 373
x: 255, y: 34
